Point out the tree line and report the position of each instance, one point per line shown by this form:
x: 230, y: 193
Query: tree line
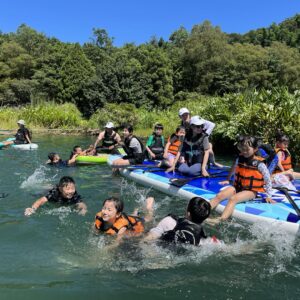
x: 35, y: 68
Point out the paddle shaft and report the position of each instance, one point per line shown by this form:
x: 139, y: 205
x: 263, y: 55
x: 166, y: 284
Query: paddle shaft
x: 291, y: 200
x: 183, y: 181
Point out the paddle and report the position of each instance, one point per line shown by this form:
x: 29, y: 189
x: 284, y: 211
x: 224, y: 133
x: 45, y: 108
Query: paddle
x: 179, y: 182
x: 141, y: 166
x: 288, y: 196
x: 153, y: 170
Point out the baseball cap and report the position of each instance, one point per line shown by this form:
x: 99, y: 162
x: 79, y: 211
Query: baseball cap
x: 22, y: 122
x: 183, y: 110
x: 196, y: 120
x: 109, y: 125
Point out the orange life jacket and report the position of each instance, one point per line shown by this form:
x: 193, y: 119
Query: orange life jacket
x: 286, y: 163
x: 175, y: 144
x: 133, y: 224
x: 247, y: 175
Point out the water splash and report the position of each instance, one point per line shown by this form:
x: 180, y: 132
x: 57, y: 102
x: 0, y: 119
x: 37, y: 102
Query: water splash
x: 38, y: 178
x: 280, y: 247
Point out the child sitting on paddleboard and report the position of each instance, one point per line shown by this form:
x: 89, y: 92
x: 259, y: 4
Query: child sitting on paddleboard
x: 64, y: 193
x: 251, y: 176
x: 156, y: 143
x: 188, y: 229
x: 284, y: 164
x: 173, y: 149
x: 113, y: 221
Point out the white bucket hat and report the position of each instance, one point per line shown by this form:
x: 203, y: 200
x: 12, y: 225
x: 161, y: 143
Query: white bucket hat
x: 182, y: 111
x: 21, y: 122
x: 109, y: 125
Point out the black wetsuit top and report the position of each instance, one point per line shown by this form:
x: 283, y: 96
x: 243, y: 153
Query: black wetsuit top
x: 55, y: 195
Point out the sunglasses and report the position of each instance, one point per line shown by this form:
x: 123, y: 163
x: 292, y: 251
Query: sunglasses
x: 159, y: 128
x: 198, y: 126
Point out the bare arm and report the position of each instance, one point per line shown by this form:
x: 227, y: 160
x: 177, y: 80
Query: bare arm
x: 99, y: 138
x: 82, y: 208
x: 31, y: 210
x: 27, y: 138
x: 150, y: 152
x: 204, y: 163
x: 72, y: 160
x: 279, y: 155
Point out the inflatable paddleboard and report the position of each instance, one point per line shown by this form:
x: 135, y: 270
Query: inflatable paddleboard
x: 281, y: 214
x: 31, y: 146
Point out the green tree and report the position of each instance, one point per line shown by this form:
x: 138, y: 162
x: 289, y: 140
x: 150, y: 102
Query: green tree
x: 206, y: 54
x: 75, y: 70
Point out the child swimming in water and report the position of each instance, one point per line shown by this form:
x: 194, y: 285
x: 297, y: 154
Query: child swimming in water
x: 55, y: 160
x: 64, y: 193
x: 187, y: 229
x: 113, y: 221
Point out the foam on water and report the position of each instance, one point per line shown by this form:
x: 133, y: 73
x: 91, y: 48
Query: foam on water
x: 62, y: 212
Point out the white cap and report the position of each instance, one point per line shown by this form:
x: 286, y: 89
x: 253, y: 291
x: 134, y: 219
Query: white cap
x: 182, y: 111
x: 196, y: 120
x: 22, y: 122
x: 109, y: 125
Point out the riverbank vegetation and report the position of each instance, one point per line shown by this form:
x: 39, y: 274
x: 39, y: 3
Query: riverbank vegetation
x: 244, y: 83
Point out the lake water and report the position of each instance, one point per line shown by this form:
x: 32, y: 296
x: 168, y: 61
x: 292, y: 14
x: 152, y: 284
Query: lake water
x: 55, y: 254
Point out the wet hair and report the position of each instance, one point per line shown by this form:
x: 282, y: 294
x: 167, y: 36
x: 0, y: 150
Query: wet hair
x: 158, y: 126
x: 247, y: 140
x: 128, y: 127
x: 180, y: 128
x: 119, y: 204
x: 75, y: 147
x: 66, y: 180
x: 51, y: 156
x: 199, y: 209
x: 73, y: 151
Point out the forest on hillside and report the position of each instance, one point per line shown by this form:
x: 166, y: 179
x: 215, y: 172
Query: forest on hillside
x: 35, y: 68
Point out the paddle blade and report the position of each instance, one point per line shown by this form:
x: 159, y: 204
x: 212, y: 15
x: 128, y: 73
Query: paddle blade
x: 179, y: 182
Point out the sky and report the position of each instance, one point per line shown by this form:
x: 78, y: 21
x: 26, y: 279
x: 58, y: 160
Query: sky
x: 133, y: 21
